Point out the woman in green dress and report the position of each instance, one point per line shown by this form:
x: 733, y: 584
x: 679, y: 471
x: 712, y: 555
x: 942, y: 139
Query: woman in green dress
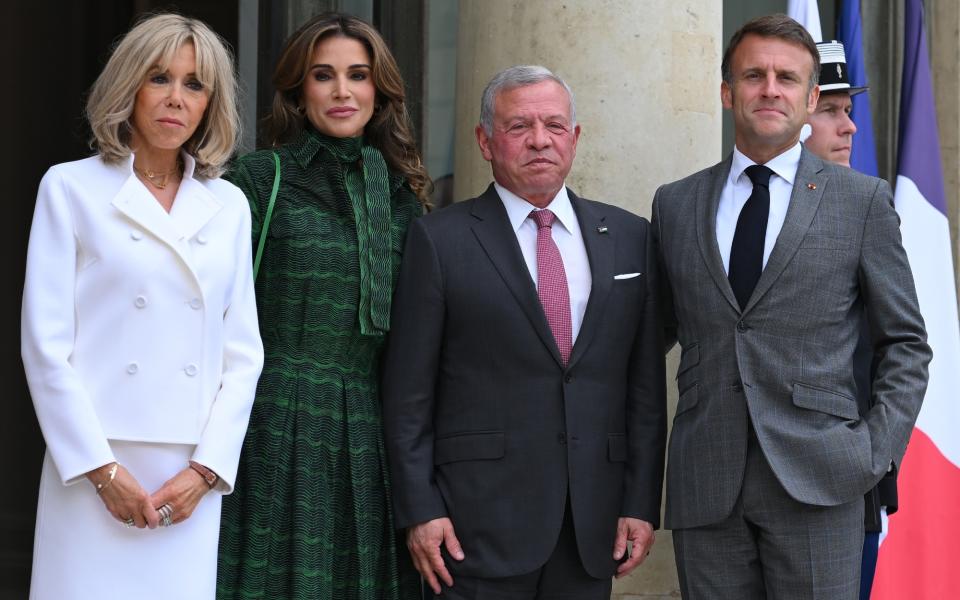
x: 310, y: 516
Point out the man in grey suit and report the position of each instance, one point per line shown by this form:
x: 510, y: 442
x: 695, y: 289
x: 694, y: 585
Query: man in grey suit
x: 769, y: 259
x: 524, y: 402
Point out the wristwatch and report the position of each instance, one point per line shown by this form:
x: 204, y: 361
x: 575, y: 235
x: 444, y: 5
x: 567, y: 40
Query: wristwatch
x: 209, y: 476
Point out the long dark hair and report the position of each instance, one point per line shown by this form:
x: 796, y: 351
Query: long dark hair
x: 389, y: 130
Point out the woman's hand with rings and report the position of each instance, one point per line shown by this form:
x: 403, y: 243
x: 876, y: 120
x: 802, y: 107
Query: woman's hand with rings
x: 123, y: 496
x: 181, y: 493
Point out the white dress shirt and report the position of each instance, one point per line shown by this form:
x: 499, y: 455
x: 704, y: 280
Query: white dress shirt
x: 737, y: 190
x: 567, y: 237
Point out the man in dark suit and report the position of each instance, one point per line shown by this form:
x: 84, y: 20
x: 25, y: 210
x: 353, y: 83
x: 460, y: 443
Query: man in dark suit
x: 524, y: 384
x: 831, y: 138
x: 769, y: 259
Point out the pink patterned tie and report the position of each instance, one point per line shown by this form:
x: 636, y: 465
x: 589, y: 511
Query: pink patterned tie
x: 552, y: 284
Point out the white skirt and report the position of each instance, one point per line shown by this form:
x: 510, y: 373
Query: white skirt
x: 81, y: 552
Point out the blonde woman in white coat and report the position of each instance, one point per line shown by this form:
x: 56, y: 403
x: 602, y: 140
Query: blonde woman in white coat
x: 139, y: 327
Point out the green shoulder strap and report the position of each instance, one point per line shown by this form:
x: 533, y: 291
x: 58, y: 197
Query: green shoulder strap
x: 266, y: 218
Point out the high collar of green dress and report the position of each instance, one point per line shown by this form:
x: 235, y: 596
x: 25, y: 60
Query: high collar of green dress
x: 367, y: 182
x: 310, y: 141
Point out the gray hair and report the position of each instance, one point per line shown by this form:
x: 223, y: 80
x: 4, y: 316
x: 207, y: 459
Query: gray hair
x: 514, y: 77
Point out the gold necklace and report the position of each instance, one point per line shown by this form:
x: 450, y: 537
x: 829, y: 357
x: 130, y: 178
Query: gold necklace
x: 157, y: 180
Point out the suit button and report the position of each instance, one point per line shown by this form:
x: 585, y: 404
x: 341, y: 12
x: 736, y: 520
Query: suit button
x: 562, y: 438
x: 201, y: 239
x: 136, y: 235
x: 568, y: 378
x: 140, y: 301
x: 741, y: 326
x: 190, y: 370
x: 132, y: 368
x: 196, y: 304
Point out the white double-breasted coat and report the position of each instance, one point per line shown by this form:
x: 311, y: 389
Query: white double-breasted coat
x: 139, y: 330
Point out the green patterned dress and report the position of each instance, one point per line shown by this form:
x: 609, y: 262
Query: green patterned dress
x: 310, y: 517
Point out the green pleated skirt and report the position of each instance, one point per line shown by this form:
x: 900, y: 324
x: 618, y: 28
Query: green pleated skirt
x: 310, y: 515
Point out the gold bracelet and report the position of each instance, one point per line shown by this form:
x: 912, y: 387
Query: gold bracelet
x: 113, y: 475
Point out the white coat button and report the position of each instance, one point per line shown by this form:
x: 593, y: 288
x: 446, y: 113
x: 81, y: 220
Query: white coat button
x: 196, y: 304
x: 201, y: 239
x: 132, y: 368
x: 136, y: 235
x: 140, y: 302
x: 190, y: 370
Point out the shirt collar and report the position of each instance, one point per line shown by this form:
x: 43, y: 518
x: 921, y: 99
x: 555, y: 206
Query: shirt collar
x: 784, y: 164
x: 189, y: 164
x: 519, y: 209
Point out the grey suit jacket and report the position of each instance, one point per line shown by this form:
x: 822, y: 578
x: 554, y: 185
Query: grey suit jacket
x: 483, y: 422
x: 787, y: 357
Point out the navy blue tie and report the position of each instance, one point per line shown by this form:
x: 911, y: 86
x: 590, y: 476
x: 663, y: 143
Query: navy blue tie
x: 746, y: 252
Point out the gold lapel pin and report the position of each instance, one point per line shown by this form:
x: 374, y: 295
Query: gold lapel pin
x: 602, y: 229
x: 811, y: 186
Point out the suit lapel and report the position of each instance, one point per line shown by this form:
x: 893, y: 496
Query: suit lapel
x: 139, y: 205
x: 600, y: 248
x: 805, y: 198
x: 193, y: 208
x: 708, y: 199
x: 498, y: 240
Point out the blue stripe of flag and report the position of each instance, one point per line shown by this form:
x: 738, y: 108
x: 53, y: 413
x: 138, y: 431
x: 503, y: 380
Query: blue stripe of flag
x: 863, y: 155
x: 919, y: 155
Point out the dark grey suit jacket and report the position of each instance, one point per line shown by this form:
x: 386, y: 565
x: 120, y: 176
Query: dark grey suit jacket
x: 483, y: 423
x: 884, y: 494
x: 787, y: 358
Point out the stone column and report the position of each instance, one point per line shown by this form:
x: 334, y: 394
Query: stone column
x: 943, y: 25
x: 646, y: 77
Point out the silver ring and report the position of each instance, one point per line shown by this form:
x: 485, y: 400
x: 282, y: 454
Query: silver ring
x: 129, y: 522
x: 166, y: 511
x: 166, y: 522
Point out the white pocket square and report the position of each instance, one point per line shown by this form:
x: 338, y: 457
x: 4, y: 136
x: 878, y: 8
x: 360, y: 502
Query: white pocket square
x: 626, y: 276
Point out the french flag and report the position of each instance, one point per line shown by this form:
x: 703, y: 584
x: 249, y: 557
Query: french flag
x: 918, y: 557
x: 807, y: 13
x: 863, y: 155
